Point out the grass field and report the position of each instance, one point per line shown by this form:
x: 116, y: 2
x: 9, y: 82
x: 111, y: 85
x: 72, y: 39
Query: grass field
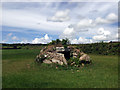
x: 20, y: 71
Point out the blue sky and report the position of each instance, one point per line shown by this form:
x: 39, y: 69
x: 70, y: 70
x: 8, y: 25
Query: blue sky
x: 41, y: 22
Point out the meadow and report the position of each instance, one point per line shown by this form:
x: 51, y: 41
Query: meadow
x: 20, y: 71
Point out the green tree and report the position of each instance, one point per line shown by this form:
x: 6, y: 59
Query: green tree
x: 57, y: 41
x: 52, y: 43
x: 65, y: 41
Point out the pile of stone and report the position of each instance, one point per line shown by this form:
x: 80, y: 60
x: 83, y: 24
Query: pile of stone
x: 59, y: 55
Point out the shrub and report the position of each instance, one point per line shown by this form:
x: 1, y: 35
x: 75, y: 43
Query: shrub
x: 74, y: 61
x: 40, y: 59
x: 65, y: 41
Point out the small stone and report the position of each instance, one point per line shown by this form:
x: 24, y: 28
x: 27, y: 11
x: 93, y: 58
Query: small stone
x: 82, y: 64
x: 75, y: 65
x: 45, y: 55
x: 56, y: 67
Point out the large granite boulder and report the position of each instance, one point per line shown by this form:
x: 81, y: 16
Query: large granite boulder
x: 57, y: 61
x: 50, y: 55
x: 47, y: 61
x: 85, y: 58
x: 57, y: 56
x: 60, y: 49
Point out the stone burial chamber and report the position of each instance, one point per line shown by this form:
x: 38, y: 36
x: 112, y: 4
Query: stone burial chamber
x: 65, y: 51
x: 61, y: 55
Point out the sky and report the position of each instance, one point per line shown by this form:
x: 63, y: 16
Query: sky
x: 42, y: 22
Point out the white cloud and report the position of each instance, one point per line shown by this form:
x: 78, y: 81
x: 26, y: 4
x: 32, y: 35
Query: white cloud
x: 117, y: 35
x: 74, y: 41
x: 34, y: 17
x: 72, y: 30
x: 101, y: 31
x: 24, y: 41
x: 60, y: 16
x: 110, y: 18
x: 68, y: 33
x: 85, y: 23
x: 99, y: 37
x: 100, y: 20
x: 104, y: 35
x: 81, y: 40
x: 71, y: 34
x: 3, y: 41
x: 43, y: 40
x: 14, y: 38
x: 46, y: 37
x: 30, y: 20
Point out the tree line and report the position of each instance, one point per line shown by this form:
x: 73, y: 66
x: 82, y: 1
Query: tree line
x: 101, y: 48
x: 111, y: 48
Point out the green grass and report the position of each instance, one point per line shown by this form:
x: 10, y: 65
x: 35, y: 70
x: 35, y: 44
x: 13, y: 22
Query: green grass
x: 20, y: 71
x: 20, y: 54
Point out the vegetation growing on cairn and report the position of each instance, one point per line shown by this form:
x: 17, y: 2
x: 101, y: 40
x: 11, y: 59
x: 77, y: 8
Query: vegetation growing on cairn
x: 58, y: 41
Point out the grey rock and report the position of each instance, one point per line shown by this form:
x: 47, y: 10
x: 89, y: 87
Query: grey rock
x: 47, y: 61
x: 85, y: 57
x: 60, y: 49
x: 57, y: 61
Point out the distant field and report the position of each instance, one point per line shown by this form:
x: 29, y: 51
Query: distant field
x: 20, y: 71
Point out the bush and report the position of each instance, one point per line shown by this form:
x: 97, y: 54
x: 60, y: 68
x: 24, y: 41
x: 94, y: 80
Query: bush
x: 40, y: 59
x: 65, y: 41
x: 74, y: 61
x: 100, y: 48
